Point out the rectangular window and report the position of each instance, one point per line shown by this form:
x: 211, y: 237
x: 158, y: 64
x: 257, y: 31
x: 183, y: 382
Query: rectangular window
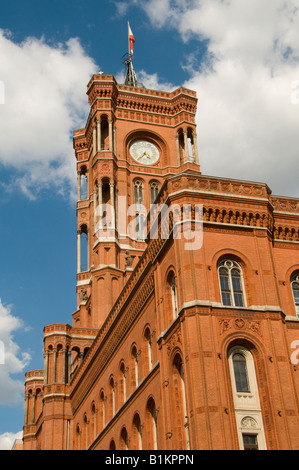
x: 237, y: 288
x: 226, y: 298
x: 224, y: 281
x: 238, y: 296
x: 250, y: 442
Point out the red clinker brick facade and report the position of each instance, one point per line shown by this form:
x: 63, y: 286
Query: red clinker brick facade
x: 154, y: 353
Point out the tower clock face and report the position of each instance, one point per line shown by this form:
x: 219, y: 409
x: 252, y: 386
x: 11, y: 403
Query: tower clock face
x: 144, y: 152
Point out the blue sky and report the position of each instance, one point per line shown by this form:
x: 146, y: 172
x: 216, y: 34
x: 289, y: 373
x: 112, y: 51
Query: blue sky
x: 244, y: 65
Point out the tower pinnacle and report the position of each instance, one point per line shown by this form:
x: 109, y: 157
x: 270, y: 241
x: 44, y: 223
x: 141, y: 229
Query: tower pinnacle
x: 131, y: 79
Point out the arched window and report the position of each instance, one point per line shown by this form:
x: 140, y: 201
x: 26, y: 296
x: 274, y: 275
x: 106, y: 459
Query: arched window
x: 93, y: 425
x: 231, y: 283
x: 104, y: 144
x: 241, y: 374
x: 112, y: 445
x: 180, y: 403
x: 138, y: 192
x: 171, y: 288
x: 151, y: 424
x: 102, y: 410
x: 246, y: 399
x: 134, y: 360
x: 181, y: 146
x: 154, y: 189
x: 137, y: 437
x: 140, y: 216
x: 140, y: 213
x: 112, y: 397
x: 190, y: 143
x: 83, y: 248
x: 85, y: 436
x: 124, y: 440
x: 148, y: 349
x: 78, y: 438
x: 38, y: 403
x: 295, y: 289
x: 123, y: 389
x: 83, y: 189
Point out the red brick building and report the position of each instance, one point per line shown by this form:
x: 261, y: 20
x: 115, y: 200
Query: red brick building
x: 173, y: 345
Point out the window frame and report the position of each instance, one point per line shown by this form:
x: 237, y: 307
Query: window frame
x: 138, y: 192
x: 154, y: 191
x: 224, y: 264
x: 239, y: 379
x: 247, y: 405
x: 295, y: 280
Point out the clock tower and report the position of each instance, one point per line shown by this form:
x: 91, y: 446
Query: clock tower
x: 170, y: 348
x: 134, y: 139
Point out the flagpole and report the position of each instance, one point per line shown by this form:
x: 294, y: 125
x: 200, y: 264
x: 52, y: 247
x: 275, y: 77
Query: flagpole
x: 129, y: 50
x: 130, y: 79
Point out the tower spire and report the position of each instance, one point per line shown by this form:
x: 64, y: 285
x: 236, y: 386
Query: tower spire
x: 131, y: 79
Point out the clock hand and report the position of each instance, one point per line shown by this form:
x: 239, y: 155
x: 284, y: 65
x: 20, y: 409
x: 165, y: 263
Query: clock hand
x: 144, y: 153
x: 141, y: 155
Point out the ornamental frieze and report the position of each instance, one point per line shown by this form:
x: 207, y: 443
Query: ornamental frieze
x: 239, y: 324
x: 218, y: 185
x: 175, y: 340
x: 285, y: 205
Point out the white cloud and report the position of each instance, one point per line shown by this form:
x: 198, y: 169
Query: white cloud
x: 12, y: 360
x: 44, y: 102
x: 7, y: 440
x: 153, y: 82
x: 248, y: 113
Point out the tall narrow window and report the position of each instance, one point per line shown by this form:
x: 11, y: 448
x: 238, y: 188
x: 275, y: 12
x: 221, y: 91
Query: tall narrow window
x: 148, y: 339
x: 138, y: 192
x: 83, y: 185
x: 124, y: 440
x: 112, y: 397
x: 295, y: 288
x: 174, y: 298
x: 180, y: 405
x: 93, y: 425
x: 83, y: 248
x: 102, y: 409
x: 140, y: 226
x: 173, y: 294
x: 247, y: 405
x: 190, y: 142
x: 151, y: 422
x: 231, y: 283
x: 240, y: 371
x: 104, y: 145
x: 140, y: 216
x: 154, y: 187
x: 123, y: 382
x: 137, y: 437
x: 181, y: 143
x: 135, y: 366
x: 78, y: 438
x: 85, y: 432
